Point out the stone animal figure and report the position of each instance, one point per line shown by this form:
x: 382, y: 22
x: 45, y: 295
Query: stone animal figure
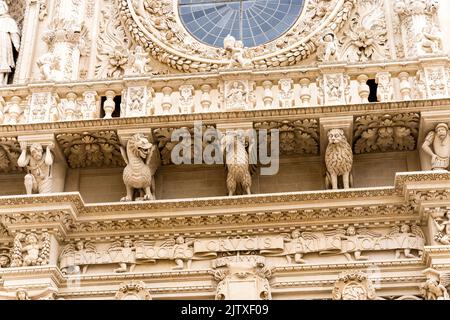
x: 142, y: 159
x: 338, y: 160
x: 238, y: 163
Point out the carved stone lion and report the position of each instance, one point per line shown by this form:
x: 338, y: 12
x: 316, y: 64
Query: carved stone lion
x: 142, y: 159
x: 338, y: 159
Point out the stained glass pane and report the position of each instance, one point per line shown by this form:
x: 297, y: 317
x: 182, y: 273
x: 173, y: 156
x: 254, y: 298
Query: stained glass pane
x: 255, y: 22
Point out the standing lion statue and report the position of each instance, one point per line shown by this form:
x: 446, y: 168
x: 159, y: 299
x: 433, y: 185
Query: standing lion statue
x: 142, y: 159
x: 338, y: 160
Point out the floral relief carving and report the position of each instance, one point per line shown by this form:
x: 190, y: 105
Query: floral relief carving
x: 113, y: 54
x: 375, y: 133
x: 366, y: 37
x: 96, y: 149
x: 296, y: 137
x: 9, y: 154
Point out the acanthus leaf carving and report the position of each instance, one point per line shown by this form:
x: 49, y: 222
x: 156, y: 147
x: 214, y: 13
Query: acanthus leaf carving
x: 97, y: 149
x: 375, y: 133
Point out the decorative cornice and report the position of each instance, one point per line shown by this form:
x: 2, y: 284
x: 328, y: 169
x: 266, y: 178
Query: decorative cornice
x: 67, y: 215
x: 262, y: 115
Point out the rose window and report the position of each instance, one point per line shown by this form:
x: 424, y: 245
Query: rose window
x: 255, y: 22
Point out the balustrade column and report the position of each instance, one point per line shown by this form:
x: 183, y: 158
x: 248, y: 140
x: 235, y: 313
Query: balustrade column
x: 205, y: 100
x: 268, y: 94
x: 305, y: 92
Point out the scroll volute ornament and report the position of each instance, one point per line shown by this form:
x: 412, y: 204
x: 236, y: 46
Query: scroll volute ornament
x: 134, y: 290
x: 156, y: 27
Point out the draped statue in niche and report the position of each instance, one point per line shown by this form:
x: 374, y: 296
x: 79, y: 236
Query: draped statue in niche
x: 9, y: 38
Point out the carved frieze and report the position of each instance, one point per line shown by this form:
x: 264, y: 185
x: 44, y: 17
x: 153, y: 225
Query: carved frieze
x: 375, y: 133
x: 96, y: 149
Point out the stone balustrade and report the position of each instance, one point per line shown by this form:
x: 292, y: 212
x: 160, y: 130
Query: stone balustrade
x: 237, y: 90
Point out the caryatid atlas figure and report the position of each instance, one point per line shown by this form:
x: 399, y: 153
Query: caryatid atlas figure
x: 9, y: 37
x: 437, y: 145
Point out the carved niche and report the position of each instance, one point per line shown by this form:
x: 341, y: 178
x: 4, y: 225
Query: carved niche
x: 374, y: 133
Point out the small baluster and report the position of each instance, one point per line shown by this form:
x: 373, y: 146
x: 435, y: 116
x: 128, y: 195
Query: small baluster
x: 405, y: 86
x: 70, y: 107
x: 167, y: 103
x: 363, y: 88
x: 305, y: 92
x: 15, y: 110
x: 109, y: 106
x: 268, y: 94
x: 205, y: 100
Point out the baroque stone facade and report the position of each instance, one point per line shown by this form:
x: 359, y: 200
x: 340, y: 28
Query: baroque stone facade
x: 140, y: 161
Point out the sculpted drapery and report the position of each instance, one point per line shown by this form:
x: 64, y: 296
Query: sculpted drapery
x: 9, y: 37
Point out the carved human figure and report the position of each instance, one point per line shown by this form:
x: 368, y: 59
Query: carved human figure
x: 31, y: 249
x: 437, y: 145
x: 329, y: 47
x: 237, y: 53
x: 49, y: 65
x: 127, y: 251
x: 444, y: 232
x: 142, y: 159
x: 352, y: 233
x: 22, y: 294
x: 139, y: 61
x: 296, y: 235
x: 236, y: 96
x: 9, y: 37
x: 4, y: 261
x: 404, y: 232
x: 181, y: 246
x: 434, y: 288
x: 338, y: 159
x: 39, y: 167
x: 432, y: 39
x: 76, y: 255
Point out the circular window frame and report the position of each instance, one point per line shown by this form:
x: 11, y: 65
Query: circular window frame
x: 204, y: 58
x: 280, y: 35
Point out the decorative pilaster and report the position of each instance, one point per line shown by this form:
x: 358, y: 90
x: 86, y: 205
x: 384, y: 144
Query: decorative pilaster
x: 65, y: 38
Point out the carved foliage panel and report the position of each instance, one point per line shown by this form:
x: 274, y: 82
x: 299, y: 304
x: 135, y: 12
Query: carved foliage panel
x: 296, y: 137
x: 96, y: 149
x: 381, y: 133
